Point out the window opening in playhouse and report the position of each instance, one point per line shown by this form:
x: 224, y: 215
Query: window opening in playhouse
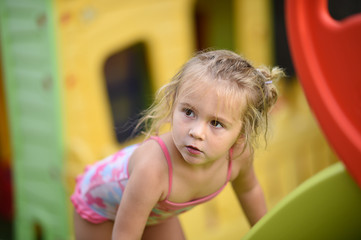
x: 340, y: 10
x: 214, y: 24
x: 129, y: 89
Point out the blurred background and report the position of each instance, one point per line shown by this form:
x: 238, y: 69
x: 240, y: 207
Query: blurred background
x: 75, y: 74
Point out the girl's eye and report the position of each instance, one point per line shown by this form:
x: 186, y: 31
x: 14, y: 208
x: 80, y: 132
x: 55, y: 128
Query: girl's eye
x: 188, y: 112
x: 216, y: 124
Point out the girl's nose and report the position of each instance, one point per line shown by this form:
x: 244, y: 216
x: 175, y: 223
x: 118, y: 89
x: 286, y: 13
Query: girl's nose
x: 197, y: 131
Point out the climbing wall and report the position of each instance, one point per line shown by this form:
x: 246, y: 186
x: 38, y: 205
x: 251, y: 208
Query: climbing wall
x: 32, y: 96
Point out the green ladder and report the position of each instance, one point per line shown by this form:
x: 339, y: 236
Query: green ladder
x: 32, y: 88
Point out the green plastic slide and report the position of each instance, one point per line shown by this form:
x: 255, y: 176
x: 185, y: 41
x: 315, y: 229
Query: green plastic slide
x: 327, y: 206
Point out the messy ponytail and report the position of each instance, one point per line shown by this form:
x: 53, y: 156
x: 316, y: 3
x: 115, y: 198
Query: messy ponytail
x: 262, y: 97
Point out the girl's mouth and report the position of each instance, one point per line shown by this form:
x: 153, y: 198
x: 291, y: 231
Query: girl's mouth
x: 193, y: 150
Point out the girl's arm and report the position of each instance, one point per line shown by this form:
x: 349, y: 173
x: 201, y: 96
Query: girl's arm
x: 250, y: 195
x: 144, y: 189
x: 247, y: 187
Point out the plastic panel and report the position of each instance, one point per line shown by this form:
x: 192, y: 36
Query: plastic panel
x: 327, y: 206
x: 326, y: 54
x: 32, y: 94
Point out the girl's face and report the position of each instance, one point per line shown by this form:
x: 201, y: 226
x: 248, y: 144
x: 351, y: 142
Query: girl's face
x: 204, y: 128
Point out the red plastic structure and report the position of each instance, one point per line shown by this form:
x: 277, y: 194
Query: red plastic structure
x: 327, y: 57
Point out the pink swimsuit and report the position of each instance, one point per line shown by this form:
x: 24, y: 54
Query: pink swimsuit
x: 99, y: 190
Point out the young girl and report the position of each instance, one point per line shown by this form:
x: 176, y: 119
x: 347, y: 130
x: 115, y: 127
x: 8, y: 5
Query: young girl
x: 216, y: 105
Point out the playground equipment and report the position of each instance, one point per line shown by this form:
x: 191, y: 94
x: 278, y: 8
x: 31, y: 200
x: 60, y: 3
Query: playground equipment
x: 59, y: 57
x: 32, y: 91
x: 326, y: 206
x: 326, y: 54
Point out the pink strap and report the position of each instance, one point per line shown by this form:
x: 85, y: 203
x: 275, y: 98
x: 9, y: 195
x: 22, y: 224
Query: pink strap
x: 170, y: 174
x: 169, y: 162
x: 206, y: 198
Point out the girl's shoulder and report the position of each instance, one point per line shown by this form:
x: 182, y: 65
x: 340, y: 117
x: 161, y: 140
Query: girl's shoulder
x: 148, y: 173
x: 150, y: 157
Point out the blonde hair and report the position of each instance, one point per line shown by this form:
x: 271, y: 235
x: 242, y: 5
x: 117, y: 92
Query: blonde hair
x: 236, y: 79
